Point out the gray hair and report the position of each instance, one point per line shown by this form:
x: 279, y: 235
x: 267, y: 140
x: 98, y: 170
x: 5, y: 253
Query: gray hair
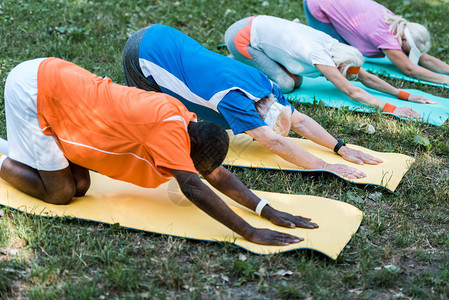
x: 346, y: 55
x: 282, y: 123
x: 419, y: 33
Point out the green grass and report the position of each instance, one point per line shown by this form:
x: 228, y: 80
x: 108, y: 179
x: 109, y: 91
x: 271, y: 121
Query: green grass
x: 401, y: 247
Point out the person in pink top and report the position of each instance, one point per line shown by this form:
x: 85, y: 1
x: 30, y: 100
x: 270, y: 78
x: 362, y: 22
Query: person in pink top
x: 376, y: 32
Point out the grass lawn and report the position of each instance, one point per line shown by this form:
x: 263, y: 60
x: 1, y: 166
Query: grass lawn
x: 400, y: 250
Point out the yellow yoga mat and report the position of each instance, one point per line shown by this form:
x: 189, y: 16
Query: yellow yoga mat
x: 245, y: 152
x: 166, y: 211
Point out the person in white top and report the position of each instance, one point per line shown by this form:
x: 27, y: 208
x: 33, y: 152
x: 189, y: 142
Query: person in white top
x: 287, y: 50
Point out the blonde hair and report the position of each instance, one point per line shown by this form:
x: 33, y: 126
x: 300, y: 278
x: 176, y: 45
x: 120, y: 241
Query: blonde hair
x: 419, y: 33
x: 347, y: 55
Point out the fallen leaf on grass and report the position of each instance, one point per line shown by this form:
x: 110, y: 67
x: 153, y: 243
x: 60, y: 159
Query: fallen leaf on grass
x: 224, y: 278
x: 398, y: 295
x: 367, y: 128
x: 242, y: 257
x: 375, y: 196
x: 393, y: 268
x: 420, y: 140
x: 283, y: 273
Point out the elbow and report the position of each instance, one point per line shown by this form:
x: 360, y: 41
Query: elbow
x: 362, y: 97
x: 273, y: 144
x: 192, y: 192
x: 299, y: 127
x: 355, y: 93
x: 189, y: 192
x: 409, y: 71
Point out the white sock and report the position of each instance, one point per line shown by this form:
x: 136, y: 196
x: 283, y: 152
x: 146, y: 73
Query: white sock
x: 3, y: 146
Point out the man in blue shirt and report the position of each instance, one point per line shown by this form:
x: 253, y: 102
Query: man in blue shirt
x: 220, y: 89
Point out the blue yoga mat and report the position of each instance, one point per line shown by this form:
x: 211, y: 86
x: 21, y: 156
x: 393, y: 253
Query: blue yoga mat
x: 320, y: 89
x: 384, y: 66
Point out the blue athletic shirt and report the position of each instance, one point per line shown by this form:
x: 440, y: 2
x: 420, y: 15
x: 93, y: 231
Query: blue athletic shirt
x: 215, y: 87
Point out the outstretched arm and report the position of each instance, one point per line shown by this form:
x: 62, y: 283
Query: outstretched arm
x: 358, y: 94
x: 433, y: 64
x: 310, y: 129
x: 203, y: 197
x: 408, y: 68
x: 297, y: 155
x: 374, y: 82
x: 231, y: 186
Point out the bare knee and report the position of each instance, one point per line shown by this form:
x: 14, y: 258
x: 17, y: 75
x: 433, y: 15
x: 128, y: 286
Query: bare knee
x: 55, y: 187
x: 82, y: 185
x: 81, y: 178
x: 61, y: 195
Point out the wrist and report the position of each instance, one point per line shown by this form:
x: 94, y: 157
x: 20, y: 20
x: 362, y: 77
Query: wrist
x: 342, y: 150
x: 267, y: 212
x: 247, y: 232
x: 389, y: 108
x: 324, y: 166
x: 403, y: 95
x: 338, y: 146
x: 263, y: 203
x: 316, y: 164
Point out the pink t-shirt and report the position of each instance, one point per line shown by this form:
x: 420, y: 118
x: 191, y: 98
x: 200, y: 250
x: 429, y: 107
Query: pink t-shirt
x: 359, y: 22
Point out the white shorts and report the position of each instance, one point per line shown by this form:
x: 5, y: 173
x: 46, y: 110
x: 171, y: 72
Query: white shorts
x: 26, y: 141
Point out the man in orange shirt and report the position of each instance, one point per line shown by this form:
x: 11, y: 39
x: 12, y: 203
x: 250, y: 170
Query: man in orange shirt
x: 63, y: 121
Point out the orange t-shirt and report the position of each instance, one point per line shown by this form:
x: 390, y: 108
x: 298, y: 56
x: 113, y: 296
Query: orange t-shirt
x: 122, y: 132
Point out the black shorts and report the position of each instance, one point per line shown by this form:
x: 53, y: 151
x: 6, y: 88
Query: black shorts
x: 131, y: 68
